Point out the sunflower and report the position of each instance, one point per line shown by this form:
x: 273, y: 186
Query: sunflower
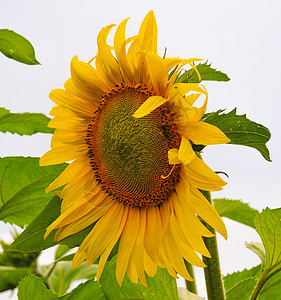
x: 128, y: 128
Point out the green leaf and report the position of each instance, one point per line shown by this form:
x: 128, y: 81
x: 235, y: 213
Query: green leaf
x: 90, y: 290
x: 236, y: 210
x: 22, y: 188
x: 17, y: 47
x: 242, y: 290
x: 23, y: 123
x: 64, y: 274
x: 241, y: 131
x: 162, y: 286
x: 233, y: 279
x: 32, y: 238
x: 32, y: 287
x: 268, y: 226
x: 11, y: 276
x: 206, y: 72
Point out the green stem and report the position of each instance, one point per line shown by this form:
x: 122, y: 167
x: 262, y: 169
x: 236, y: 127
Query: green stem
x: 262, y: 281
x: 190, y: 285
x: 213, y: 277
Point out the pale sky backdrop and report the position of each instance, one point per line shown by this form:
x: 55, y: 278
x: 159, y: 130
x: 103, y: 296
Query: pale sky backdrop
x: 239, y: 37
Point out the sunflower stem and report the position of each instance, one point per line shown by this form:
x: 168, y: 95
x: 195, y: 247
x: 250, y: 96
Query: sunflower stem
x: 190, y: 285
x: 213, y: 277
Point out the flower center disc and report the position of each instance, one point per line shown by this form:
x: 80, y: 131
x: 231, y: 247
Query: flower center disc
x: 129, y: 155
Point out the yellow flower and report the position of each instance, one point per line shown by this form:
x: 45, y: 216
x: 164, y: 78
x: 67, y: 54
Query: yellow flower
x: 127, y: 127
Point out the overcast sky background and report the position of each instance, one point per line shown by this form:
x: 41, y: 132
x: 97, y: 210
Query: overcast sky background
x: 241, y: 38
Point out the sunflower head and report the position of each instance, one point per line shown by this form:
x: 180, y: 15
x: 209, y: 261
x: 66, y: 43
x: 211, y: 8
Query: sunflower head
x: 128, y: 128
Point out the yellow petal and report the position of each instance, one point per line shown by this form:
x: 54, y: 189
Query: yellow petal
x: 184, y: 212
x: 181, y: 89
x: 149, y: 105
x: 186, y: 234
x: 153, y: 228
x: 175, y: 74
x: 174, y: 253
x: 83, y: 186
x: 61, y: 111
x: 171, y: 62
x: 158, y: 72
x: 148, y: 33
x: 87, y: 79
x: 79, y: 209
x: 64, y: 138
x: 76, y: 94
x: 149, y: 266
x: 115, y: 237
x: 195, y: 114
x: 80, y: 107
x: 105, y: 61
x: 173, y: 156
x: 202, y: 177
x: 104, y: 232
x: 137, y: 257
x: 69, y: 124
x: 206, y: 211
x: 70, y: 172
x: 186, y: 153
x: 80, y: 224
x: 121, y: 55
x: 191, y: 244
x: 63, y: 154
x: 202, y: 133
x: 126, y: 244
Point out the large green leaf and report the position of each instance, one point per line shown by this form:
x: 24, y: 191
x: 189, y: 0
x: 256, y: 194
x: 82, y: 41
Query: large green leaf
x: 206, y: 73
x: 23, y: 123
x: 90, y: 290
x: 10, y: 277
x: 233, y: 279
x: 162, y: 286
x: 241, y: 131
x: 268, y: 225
x: 32, y: 238
x: 22, y: 188
x: 32, y: 287
x: 17, y: 47
x: 236, y: 210
x: 267, y: 284
x: 242, y: 290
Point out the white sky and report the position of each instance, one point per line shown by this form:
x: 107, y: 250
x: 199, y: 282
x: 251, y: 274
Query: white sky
x: 242, y: 38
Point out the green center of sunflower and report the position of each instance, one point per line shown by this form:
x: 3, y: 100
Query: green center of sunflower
x: 129, y: 155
